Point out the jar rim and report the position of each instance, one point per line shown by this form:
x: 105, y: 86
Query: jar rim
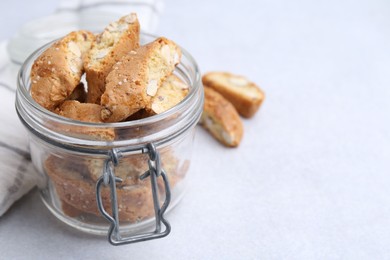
x: 21, y: 89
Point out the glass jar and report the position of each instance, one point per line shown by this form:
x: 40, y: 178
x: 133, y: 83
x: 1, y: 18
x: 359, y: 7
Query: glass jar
x: 120, y: 186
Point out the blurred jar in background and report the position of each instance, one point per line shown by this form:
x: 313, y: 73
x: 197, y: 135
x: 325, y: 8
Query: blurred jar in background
x: 73, y: 15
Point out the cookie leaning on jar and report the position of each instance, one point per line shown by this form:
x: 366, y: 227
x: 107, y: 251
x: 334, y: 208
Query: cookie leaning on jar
x: 119, y: 84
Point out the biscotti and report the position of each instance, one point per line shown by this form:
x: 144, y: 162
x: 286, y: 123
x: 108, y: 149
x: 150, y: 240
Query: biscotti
x: 75, y: 183
x: 172, y: 91
x: 85, y: 112
x: 121, y: 76
x: 221, y: 119
x: 57, y: 71
x: 117, y: 39
x: 135, y: 79
x: 76, y: 190
x: 245, y: 95
x: 122, y: 82
x: 80, y: 111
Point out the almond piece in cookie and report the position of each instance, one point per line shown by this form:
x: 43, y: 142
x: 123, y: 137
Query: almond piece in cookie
x: 117, y: 39
x: 135, y: 79
x: 172, y: 91
x: 221, y: 119
x: 245, y: 95
x: 57, y: 71
x: 85, y: 112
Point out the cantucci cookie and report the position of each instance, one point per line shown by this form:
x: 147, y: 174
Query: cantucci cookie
x: 135, y: 79
x: 245, y: 95
x: 57, y: 71
x: 70, y: 179
x: 172, y: 91
x: 85, y: 112
x: 221, y: 119
x: 117, y: 39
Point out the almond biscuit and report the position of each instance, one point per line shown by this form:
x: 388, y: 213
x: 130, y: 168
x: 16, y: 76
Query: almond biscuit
x: 135, y: 79
x: 85, y: 112
x: 117, y: 39
x: 78, y: 192
x: 221, y: 119
x: 245, y: 95
x: 57, y: 71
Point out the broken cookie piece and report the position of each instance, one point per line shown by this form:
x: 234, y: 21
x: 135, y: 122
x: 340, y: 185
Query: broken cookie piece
x: 221, y: 119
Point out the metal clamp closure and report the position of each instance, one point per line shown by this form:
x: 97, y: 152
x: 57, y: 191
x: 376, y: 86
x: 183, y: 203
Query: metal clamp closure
x: 108, y: 178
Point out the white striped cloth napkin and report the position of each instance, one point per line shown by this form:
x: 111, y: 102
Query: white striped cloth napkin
x: 17, y: 174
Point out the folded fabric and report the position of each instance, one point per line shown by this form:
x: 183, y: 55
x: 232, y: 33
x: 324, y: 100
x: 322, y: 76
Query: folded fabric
x: 17, y: 174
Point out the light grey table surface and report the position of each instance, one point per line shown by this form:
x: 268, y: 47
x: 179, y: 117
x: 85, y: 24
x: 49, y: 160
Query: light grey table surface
x: 311, y: 178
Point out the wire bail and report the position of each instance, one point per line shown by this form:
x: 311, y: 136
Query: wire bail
x: 108, y: 179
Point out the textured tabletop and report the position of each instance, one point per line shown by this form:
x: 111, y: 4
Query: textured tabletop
x: 311, y: 179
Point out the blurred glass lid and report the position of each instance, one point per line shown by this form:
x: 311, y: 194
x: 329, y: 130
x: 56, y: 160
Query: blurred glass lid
x: 38, y: 32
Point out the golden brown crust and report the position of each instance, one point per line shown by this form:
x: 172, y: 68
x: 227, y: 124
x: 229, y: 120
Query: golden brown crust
x: 221, y: 119
x: 85, y: 112
x: 135, y: 79
x: 115, y: 41
x: 245, y: 95
x: 172, y: 91
x: 80, y: 111
x: 57, y: 71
